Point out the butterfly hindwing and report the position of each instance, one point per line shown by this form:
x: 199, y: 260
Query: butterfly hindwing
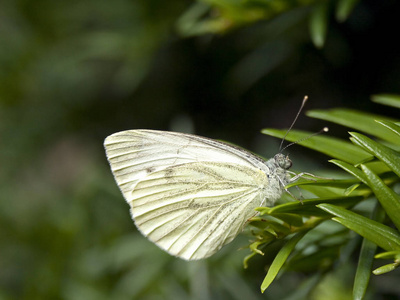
x: 192, y: 210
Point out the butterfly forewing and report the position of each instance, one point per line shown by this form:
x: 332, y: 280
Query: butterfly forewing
x: 189, y: 195
x: 135, y: 153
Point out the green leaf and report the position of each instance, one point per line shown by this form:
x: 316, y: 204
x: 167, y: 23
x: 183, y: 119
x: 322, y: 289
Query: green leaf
x: 280, y: 259
x: 356, y: 172
x: 308, y: 207
x: 275, y: 228
x: 387, y: 99
x: 333, y: 147
x: 386, y: 268
x: 319, y: 24
x: 393, y: 127
x: 254, y: 246
x: 363, y: 273
x: 267, y: 226
x: 338, y: 183
x: 390, y: 157
x: 389, y: 255
x: 344, y: 9
x: 388, y: 177
x: 364, y: 268
x: 324, y: 188
x: 247, y: 259
x: 351, y: 189
x: 389, y: 200
x: 324, y: 192
x: 290, y: 219
x: 382, y: 235
x: 357, y: 120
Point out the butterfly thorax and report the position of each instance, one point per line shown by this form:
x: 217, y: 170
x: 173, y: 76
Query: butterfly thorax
x: 277, y: 176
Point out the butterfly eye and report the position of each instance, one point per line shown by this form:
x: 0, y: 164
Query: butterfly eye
x: 283, y: 161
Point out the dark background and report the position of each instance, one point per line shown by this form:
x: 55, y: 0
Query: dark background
x: 74, y: 72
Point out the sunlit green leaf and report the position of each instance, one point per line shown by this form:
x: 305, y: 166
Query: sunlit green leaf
x: 386, y: 268
x: 388, y: 255
x: 254, y: 246
x: 308, y: 207
x: 333, y: 147
x: 357, y: 120
x: 364, y: 269
x: 277, y: 228
x: 382, y: 235
x: 393, y: 127
x: 389, y: 200
x: 264, y: 225
x: 290, y: 219
x: 280, y: 259
x: 387, y: 99
x: 365, y: 261
x: 326, y: 192
x: 342, y: 183
x: 356, y: 172
x: 390, y: 157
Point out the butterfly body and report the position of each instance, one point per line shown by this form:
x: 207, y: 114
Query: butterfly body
x: 188, y: 194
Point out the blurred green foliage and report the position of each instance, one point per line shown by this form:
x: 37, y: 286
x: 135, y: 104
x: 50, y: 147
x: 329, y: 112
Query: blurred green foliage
x: 73, y: 72
x: 376, y: 175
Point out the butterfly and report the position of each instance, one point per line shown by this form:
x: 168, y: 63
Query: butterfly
x: 192, y: 195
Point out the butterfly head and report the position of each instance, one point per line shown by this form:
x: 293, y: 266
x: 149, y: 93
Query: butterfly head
x: 283, y: 161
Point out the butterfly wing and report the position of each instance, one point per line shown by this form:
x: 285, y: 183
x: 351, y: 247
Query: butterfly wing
x: 133, y: 154
x: 189, y: 195
x: 191, y: 210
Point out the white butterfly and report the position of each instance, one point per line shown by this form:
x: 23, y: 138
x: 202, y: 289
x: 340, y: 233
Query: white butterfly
x: 191, y: 195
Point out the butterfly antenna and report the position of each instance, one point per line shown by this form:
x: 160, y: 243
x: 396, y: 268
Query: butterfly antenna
x: 291, y: 126
x: 325, y: 129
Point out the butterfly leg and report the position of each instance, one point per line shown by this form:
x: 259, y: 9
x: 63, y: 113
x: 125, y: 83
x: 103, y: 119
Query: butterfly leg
x: 286, y: 190
x: 301, y: 194
x: 303, y: 175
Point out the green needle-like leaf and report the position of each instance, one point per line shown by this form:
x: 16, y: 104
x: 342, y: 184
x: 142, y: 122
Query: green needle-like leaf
x: 342, y: 183
x: 382, y: 235
x: 333, y: 147
x: 387, y: 99
x: 393, y: 127
x: 365, y: 262
x: 308, y: 207
x: 357, y: 120
x: 319, y: 24
x: 389, y: 200
x: 280, y: 259
x: 390, y: 157
x: 290, y: 219
x: 344, y: 9
x: 356, y: 172
x: 386, y: 268
x: 363, y: 274
x: 389, y: 255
